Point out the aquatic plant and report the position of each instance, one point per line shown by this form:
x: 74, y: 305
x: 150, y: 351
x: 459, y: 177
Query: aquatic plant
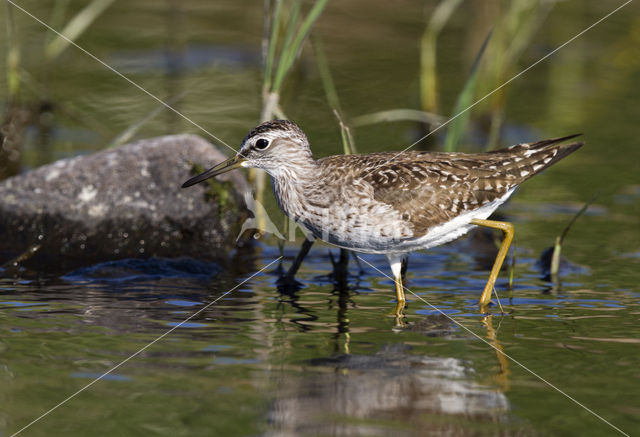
x: 554, y: 268
x: 512, y: 32
x: 458, y: 123
x: 285, y: 32
x: 20, y: 111
x: 74, y: 28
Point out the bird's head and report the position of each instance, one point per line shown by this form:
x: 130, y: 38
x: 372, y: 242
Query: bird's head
x: 273, y: 146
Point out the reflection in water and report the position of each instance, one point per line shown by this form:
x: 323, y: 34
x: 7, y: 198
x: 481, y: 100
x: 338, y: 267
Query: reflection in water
x: 343, y: 295
x: 324, y: 360
x: 288, y: 289
x: 351, y: 394
x: 502, y: 377
x: 342, y: 391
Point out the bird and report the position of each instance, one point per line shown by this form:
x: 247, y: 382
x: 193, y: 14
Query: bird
x: 391, y: 203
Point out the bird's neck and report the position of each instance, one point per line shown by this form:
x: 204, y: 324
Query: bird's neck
x: 300, y: 167
x: 290, y: 183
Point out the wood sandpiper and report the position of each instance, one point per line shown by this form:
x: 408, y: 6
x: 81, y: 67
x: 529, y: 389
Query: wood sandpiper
x: 391, y: 203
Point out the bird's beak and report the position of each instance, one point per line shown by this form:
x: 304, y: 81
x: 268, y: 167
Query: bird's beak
x: 223, y: 167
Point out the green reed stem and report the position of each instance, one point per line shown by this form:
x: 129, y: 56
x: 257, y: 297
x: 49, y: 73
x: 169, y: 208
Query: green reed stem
x: 76, y: 27
x: 58, y: 10
x: 331, y: 93
x: 400, y: 114
x: 13, y: 57
x: 428, y: 50
x: 273, y: 41
x: 557, y: 247
x: 291, y: 51
x: 458, y: 126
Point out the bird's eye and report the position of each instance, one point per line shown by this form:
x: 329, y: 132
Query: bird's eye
x: 262, y: 144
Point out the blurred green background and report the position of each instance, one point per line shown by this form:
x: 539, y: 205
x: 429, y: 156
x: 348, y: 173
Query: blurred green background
x: 248, y: 364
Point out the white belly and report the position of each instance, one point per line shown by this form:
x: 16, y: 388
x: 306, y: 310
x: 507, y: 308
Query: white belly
x: 453, y: 229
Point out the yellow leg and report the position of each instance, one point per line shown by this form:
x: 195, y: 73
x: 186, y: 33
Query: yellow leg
x: 400, y: 300
x: 507, y: 228
x: 399, y: 289
x: 395, y: 261
x: 399, y: 314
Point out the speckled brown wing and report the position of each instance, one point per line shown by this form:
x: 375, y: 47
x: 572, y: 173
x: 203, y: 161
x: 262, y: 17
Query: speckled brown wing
x: 429, y: 189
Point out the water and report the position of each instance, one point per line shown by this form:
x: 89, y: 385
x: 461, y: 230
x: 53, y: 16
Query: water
x: 326, y: 357
x: 324, y: 360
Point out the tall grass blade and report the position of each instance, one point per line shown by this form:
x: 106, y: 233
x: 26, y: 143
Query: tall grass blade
x: 129, y: 133
x: 348, y: 145
x: 428, y: 50
x: 514, y: 34
x: 523, y: 20
x: 56, y: 19
x: 290, y: 52
x: 76, y: 27
x: 274, y: 24
x: 13, y: 57
x: 292, y: 25
x: 332, y: 97
x: 393, y: 115
x: 458, y: 126
x: 277, y: 66
x: 325, y: 75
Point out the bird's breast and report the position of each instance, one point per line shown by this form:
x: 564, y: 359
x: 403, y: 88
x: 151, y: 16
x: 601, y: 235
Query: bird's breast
x: 345, y: 215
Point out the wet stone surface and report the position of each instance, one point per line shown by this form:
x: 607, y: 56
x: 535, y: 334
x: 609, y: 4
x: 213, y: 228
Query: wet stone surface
x: 124, y: 202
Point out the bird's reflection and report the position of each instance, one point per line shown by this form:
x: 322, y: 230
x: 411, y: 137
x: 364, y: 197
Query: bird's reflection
x: 288, y: 295
x: 502, y: 377
x: 341, y: 297
x: 353, y: 394
x: 289, y: 288
x: 394, y: 381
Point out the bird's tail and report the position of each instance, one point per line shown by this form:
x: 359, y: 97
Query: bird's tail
x: 527, y: 159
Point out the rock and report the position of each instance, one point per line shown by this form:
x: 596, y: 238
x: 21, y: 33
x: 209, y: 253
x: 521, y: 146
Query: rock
x: 124, y: 202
